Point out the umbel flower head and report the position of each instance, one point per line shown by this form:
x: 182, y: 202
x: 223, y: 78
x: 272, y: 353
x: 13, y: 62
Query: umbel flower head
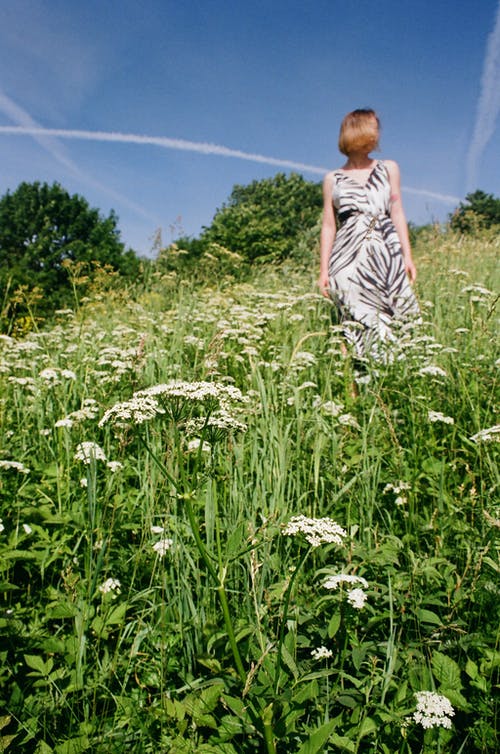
x: 433, y: 710
x: 317, y: 531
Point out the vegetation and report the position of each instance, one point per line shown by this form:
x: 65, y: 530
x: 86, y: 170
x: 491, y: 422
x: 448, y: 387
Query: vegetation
x: 157, y: 593
x: 479, y: 211
x: 263, y: 221
x: 43, y: 230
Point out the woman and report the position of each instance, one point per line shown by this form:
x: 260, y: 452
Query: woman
x: 366, y: 264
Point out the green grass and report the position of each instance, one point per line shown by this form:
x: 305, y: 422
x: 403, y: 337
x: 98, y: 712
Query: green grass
x: 207, y: 647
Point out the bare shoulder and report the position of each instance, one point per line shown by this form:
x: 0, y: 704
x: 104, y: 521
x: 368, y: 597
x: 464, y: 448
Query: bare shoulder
x: 392, y: 166
x: 328, y: 181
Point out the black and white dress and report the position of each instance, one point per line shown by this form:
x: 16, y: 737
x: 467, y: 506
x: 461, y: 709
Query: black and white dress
x: 368, y: 282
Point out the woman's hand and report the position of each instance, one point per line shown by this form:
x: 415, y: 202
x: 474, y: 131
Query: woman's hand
x: 411, y: 270
x: 324, y: 284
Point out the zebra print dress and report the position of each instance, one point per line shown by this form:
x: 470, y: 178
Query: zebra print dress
x: 368, y: 282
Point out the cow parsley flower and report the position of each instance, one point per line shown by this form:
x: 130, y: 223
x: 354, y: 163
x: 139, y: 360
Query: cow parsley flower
x: 432, y: 371
x: 162, y: 546
x: 433, y: 710
x: 20, y: 467
x: 437, y: 416
x: 110, y: 585
x: 114, y: 466
x: 138, y: 410
x: 357, y: 598
x: 490, y: 434
x: 88, y: 452
x: 317, y: 531
x: 333, y: 582
x: 321, y: 653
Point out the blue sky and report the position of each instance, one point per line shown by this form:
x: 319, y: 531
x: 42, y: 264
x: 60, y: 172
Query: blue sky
x: 266, y: 78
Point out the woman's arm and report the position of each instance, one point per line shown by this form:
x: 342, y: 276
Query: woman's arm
x: 328, y: 231
x: 399, y: 219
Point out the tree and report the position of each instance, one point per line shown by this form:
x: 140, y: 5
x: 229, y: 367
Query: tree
x: 265, y: 219
x: 480, y: 210
x: 42, y: 228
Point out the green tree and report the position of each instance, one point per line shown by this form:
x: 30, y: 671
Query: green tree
x: 480, y: 210
x: 42, y: 228
x: 265, y: 219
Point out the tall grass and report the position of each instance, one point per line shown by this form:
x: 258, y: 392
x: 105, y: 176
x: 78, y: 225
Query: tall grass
x: 151, y: 599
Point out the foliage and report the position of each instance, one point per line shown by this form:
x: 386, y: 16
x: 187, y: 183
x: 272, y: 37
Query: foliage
x: 479, y: 211
x: 42, y: 230
x: 151, y: 599
x: 265, y: 219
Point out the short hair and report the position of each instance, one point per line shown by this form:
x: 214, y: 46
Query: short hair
x: 359, y: 131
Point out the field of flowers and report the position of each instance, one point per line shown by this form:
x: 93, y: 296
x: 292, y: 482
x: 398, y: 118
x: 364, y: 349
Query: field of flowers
x: 219, y: 536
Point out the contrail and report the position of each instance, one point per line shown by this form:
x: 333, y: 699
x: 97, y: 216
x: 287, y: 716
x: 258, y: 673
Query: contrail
x: 488, y: 106
x: 49, y: 143
x: 189, y: 146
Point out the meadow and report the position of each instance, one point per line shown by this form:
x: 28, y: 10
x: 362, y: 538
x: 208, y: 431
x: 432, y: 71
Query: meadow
x: 221, y: 536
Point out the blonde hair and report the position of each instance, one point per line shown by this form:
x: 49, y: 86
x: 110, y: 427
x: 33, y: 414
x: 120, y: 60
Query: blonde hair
x: 359, y: 131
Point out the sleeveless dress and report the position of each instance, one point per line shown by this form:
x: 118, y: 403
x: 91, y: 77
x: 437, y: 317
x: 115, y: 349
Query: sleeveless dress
x: 368, y: 282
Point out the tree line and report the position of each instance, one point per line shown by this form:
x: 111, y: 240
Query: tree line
x: 45, y: 232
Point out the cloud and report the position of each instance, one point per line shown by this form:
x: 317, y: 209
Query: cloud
x: 48, y: 141
x: 488, y: 107
x: 189, y: 146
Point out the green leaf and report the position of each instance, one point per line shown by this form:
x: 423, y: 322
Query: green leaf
x: 334, y: 625
x: 471, y: 669
x: 317, y: 740
x: 456, y: 698
x: 446, y: 671
x: 35, y: 662
x: 427, y: 616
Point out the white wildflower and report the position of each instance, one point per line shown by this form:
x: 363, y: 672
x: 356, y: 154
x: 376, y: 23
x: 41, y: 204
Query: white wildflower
x: 84, y: 482
x: 44, y: 432
x: 433, y: 371
x: 437, y: 416
x: 114, y: 466
x: 321, y: 653
x: 88, y: 452
x: 333, y: 582
x: 68, y: 374
x: 162, y: 546
x: 331, y: 408
x: 27, y: 529
x: 50, y: 375
x: 317, y: 531
x: 348, y: 420
x: 357, y: 598
x: 2, y: 527
x: 303, y: 359
x: 433, y: 710
x: 157, y: 529
x: 490, y: 434
x: 139, y: 410
x: 194, y: 445
x: 110, y: 585
x: 66, y: 422
x: 20, y: 467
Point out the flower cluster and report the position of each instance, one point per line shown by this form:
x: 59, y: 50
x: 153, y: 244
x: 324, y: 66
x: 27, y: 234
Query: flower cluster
x: 356, y: 596
x: 317, y: 531
x: 433, y: 710
x: 490, y: 434
x: 321, y: 653
x: 138, y: 410
x: 88, y: 452
x: 110, y: 585
x: 437, y: 416
x: 16, y: 465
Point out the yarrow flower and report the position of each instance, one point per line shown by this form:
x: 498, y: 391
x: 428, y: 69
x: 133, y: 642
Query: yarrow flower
x: 162, y: 546
x: 357, y: 596
x: 110, y: 585
x: 88, y: 452
x: 114, y: 466
x: 317, y: 531
x: 20, y: 467
x: 321, y: 653
x: 333, y: 582
x: 433, y: 371
x: 490, y: 434
x: 433, y: 710
x: 437, y: 416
